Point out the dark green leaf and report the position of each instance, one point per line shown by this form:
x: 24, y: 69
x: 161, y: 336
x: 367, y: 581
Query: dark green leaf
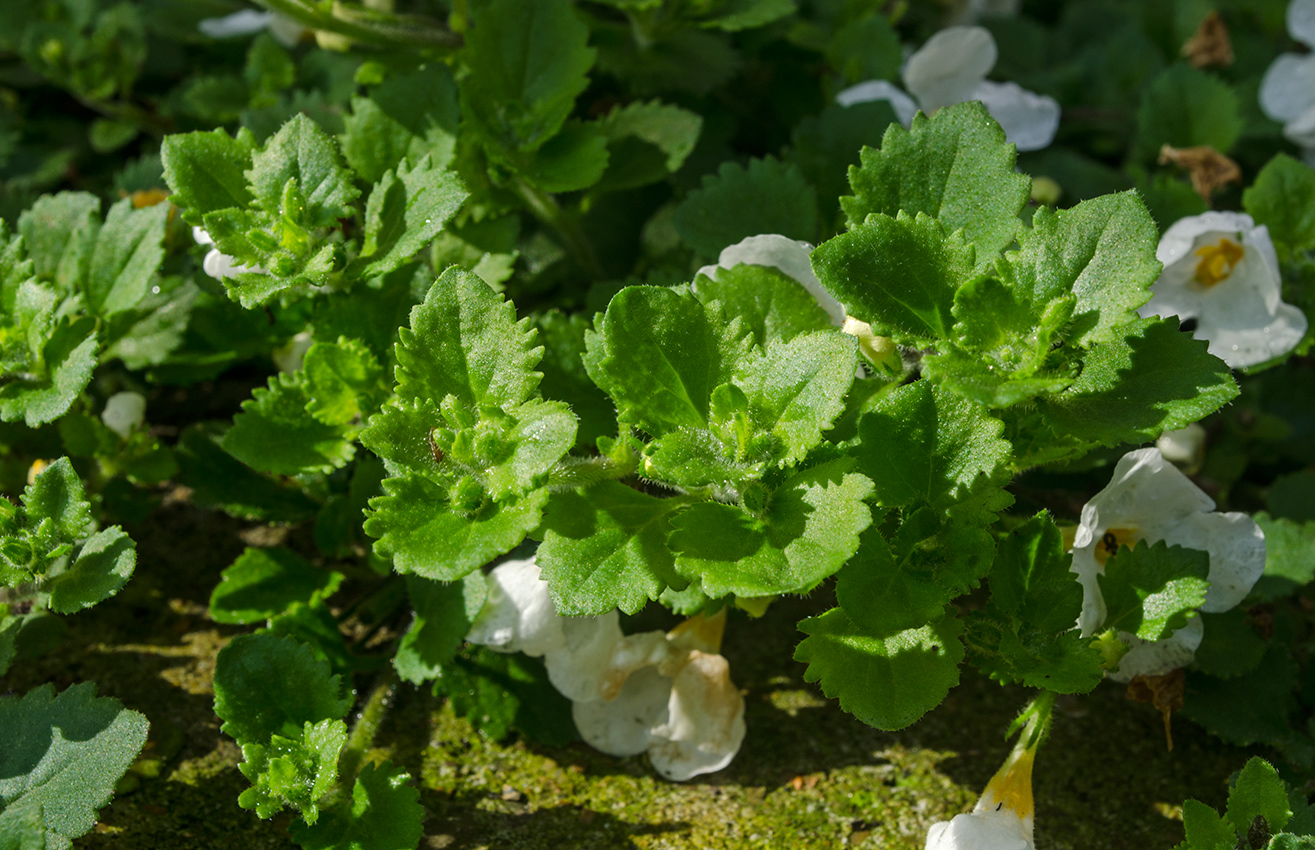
x: 276, y: 433
x: 1185, y: 107
x: 263, y: 583
x: 1283, y: 199
x: 767, y: 197
x: 444, y: 613
x: 384, y: 813
x: 408, y: 116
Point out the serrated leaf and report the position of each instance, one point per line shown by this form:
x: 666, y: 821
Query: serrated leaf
x: 1185, y: 107
x: 1065, y: 663
x: 464, y: 341
x: 1231, y: 646
x: 767, y: 197
x: 606, y: 547
x: 405, y: 212
x: 1151, y: 591
x: 263, y: 583
x: 887, y: 682
x: 809, y: 529
x: 771, y: 305
x: 919, y: 443
x: 70, y: 358
x: 384, y: 813
x: 1274, y: 716
x: 1031, y: 581
x: 219, y: 480
x: 1288, y: 564
x: 565, y: 378
x: 413, y: 524
x: 294, y: 772
x: 1155, y: 379
x: 528, y: 62
x: 344, y: 382
x: 252, y: 711
x: 207, y: 172
x: 954, y: 166
x: 542, y: 434
x: 59, y: 232
x: 63, y: 755
x: 128, y: 252
x: 301, y: 152
x: 408, y: 116
x: 1258, y: 793
x: 103, y: 565
x: 444, y: 613
x: 400, y: 434
x: 659, y: 355
x: 276, y: 433
x: 1282, y: 198
x: 56, y: 504
x: 899, y: 275
x: 1205, y: 829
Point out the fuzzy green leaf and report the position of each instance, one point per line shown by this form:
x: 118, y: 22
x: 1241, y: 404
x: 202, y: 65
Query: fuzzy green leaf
x: 70, y: 358
x: 1152, y: 591
x: 128, y: 252
x: 252, y: 711
x: 767, y: 197
x: 408, y: 116
x: 444, y: 613
x: 294, y: 772
x: 303, y: 154
x: 1205, y: 829
x: 263, y: 583
x: 405, y: 212
x: 344, y: 382
x: 1031, y: 581
x: 207, y: 172
x: 772, y: 305
x: 63, y: 755
x: 1283, y: 199
x: 887, y: 682
x: 59, y: 232
x: 276, y: 433
x: 103, y: 566
x: 384, y: 813
x: 954, y: 166
x: 1258, y: 793
x: 1185, y: 107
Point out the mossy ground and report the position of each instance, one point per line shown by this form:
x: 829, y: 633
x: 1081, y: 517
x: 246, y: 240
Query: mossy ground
x: 809, y: 775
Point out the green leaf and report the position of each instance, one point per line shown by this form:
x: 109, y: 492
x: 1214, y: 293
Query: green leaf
x: 808, y: 530
x: 405, y: 212
x: 294, y: 772
x: 1102, y: 251
x: 919, y: 443
x: 659, y: 354
x: 275, y: 432
x: 1065, y: 663
x: 565, y: 378
x: 1288, y: 564
x: 315, y: 626
x: 103, y: 565
x: 527, y: 63
x: 1231, y: 646
x: 56, y: 505
x: 70, y: 358
x: 464, y: 341
x: 954, y: 166
x: 574, y: 159
x: 444, y: 613
x: 304, y: 155
x: 408, y: 116
x: 897, y: 274
x: 1205, y: 829
x: 772, y: 305
x: 767, y: 197
x: 646, y: 141
x: 384, y: 813
x: 344, y: 381
x: 59, y: 232
x: 128, y: 252
x: 887, y: 682
x: 827, y: 145
x: 1283, y: 199
x: 498, y: 692
x: 416, y: 527
x: 62, y: 757
x: 1131, y: 390
x: 1273, y: 710
x: 219, y: 480
x: 1185, y: 107
x: 1031, y: 581
x: 1258, y: 793
x: 606, y: 547
x: 1152, y: 591
x: 253, y: 711
x: 207, y: 172
x: 263, y: 583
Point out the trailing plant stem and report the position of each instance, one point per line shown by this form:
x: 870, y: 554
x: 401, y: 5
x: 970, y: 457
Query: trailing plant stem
x: 367, y: 726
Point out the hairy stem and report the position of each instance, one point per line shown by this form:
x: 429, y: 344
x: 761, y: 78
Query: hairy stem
x: 367, y: 726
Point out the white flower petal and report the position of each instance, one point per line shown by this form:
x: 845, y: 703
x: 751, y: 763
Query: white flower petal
x: 705, y: 720
x: 1288, y: 88
x: 866, y: 92
x: 979, y: 831
x: 245, y: 22
x: 1301, y: 130
x: 518, y: 614
x: 1157, y: 657
x: 1301, y: 21
x: 201, y: 236
x: 1237, y: 554
x: 1029, y: 119
x: 582, y: 666
x: 291, y: 355
x: 620, y: 726
x: 123, y: 412
x: 949, y: 66
x: 1241, y: 348
x: 1184, y: 447
x: 286, y: 30
x: 786, y: 255
x: 1179, y: 241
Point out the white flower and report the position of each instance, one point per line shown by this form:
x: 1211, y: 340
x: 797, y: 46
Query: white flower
x: 518, y: 614
x: 1221, y: 270
x: 218, y: 264
x: 290, y: 356
x: 1003, y: 817
x: 951, y: 68
x: 1287, y: 93
x: 1149, y: 499
x: 1184, y: 448
x: 250, y: 22
x: 124, y: 412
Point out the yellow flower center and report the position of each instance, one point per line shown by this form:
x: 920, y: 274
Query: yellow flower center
x: 1217, y: 261
x: 1110, y: 542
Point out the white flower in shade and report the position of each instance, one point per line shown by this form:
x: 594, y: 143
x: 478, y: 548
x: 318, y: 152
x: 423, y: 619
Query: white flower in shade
x: 1221, y: 270
x: 1149, y: 499
x: 1003, y: 817
x: 1184, y: 448
x: 290, y: 356
x: 217, y: 264
x: 518, y: 614
x: 951, y: 68
x: 250, y: 22
x: 124, y: 412
x: 1287, y: 93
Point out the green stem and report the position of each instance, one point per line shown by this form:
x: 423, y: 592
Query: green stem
x: 367, y: 726
x: 545, y: 208
x: 368, y: 26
